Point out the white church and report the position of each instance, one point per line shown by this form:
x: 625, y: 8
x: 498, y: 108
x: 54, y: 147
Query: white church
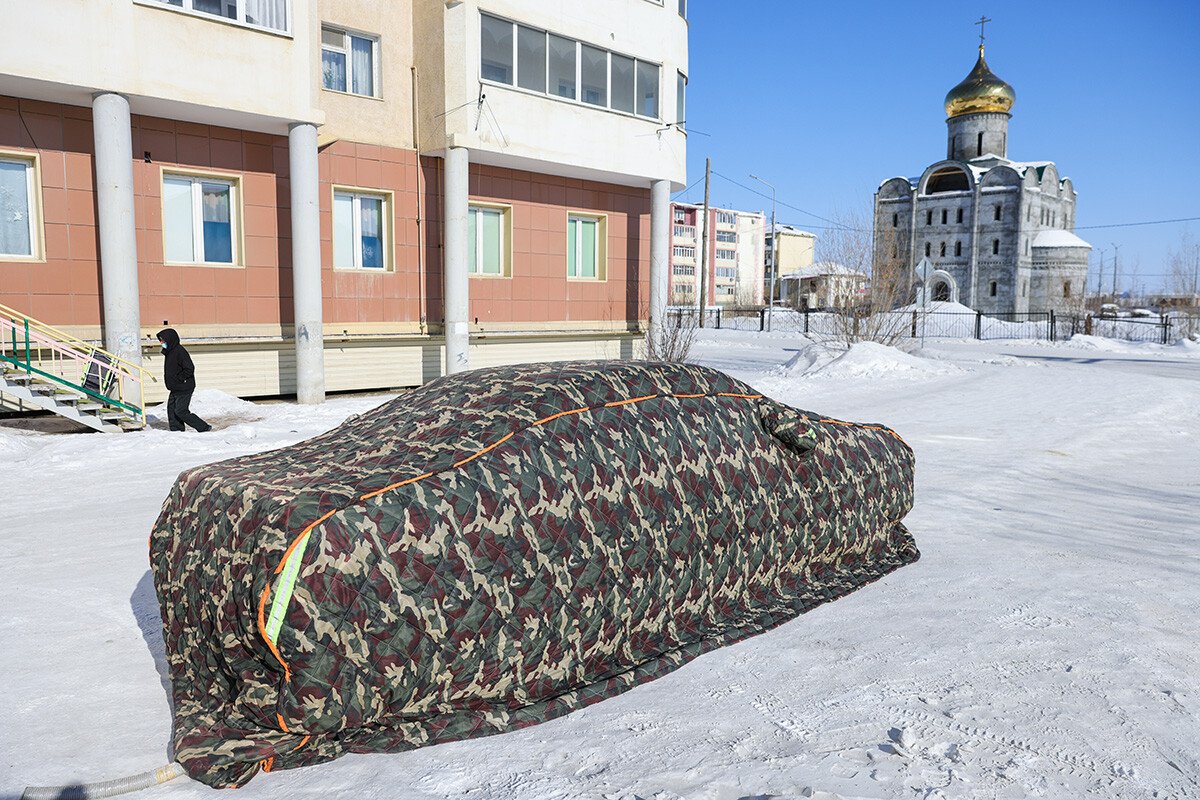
x: 998, y: 233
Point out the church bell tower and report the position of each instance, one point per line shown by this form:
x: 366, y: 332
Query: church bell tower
x: 977, y: 114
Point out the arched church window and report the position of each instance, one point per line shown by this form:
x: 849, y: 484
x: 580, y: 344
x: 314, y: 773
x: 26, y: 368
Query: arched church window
x: 996, y: 215
x: 947, y: 179
x: 958, y: 248
x: 980, y: 144
x: 995, y: 247
x: 944, y: 212
x: 941, y: 292
x: 992, y: 289
x: 1066, y: 288
x: 942, y: 251
x: 929, y: 217
x: 958, y: 216
x: 895, y: 220
x: 927, y: 248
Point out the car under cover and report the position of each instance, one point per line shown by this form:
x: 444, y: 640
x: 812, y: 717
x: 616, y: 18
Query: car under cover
x: 500, y: 547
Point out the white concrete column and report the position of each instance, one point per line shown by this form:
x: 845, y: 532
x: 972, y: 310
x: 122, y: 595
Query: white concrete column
x: 118, y: 230
x: 306, y: 262
x: 455, y: 283
x: 660, y: 251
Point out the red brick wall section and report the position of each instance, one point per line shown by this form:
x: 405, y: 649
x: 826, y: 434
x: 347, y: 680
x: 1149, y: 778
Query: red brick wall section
x: 65, y: 288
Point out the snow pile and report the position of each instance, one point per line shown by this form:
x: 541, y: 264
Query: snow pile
x: 872, y: 361
x: 215, y: 407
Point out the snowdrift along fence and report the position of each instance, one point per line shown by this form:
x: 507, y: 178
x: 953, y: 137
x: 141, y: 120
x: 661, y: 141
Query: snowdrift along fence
x: 1046, y: 325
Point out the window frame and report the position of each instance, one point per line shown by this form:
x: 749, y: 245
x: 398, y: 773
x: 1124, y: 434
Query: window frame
x: 347, y: 50
x: 34, y: 208
x: 600, y: 250
x: 505, y: 244
x: 187, y: 7
x: 236, y: 221
x: 386, y: 222
x: 514, y: 64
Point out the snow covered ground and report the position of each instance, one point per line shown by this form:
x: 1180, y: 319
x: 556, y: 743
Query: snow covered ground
x: 1045, y: 645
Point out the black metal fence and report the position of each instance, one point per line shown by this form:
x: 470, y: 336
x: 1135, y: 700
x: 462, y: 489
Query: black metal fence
x: 1044, y: 325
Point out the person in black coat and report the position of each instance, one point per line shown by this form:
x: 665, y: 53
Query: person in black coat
x: 180, y: 376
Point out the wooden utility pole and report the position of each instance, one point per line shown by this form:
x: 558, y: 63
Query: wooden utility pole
x: 700, y: 279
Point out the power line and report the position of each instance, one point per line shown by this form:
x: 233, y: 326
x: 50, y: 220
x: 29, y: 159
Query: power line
x: 1133, y: 224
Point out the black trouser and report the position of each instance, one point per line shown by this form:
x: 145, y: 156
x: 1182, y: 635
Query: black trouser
x: 179, y: 415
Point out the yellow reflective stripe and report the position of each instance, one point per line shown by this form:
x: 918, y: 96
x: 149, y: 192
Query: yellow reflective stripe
x: 283, y: 592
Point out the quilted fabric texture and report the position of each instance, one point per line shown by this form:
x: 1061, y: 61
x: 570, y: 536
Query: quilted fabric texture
x: 498, y: 548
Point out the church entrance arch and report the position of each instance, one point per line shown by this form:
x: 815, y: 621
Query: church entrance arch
x: 943, y: 287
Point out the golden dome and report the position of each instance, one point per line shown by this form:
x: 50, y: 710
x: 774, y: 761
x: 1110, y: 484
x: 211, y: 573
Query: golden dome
x: 980, y: 91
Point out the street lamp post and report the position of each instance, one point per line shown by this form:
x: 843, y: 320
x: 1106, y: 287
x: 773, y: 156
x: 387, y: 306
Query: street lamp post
x: 774, y: 251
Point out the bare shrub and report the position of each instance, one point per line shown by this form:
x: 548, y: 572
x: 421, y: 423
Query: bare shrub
x: 882, y: 258
x: 675, y: 336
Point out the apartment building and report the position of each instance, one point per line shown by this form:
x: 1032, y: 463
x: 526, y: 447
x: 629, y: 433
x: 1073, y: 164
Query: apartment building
x: 341, y: 195
x: 733, y: 262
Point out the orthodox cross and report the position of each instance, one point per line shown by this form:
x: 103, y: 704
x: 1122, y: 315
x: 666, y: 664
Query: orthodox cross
x: 982, y: 20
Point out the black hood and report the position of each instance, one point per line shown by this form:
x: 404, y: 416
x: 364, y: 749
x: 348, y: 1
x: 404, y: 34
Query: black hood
x: 170, y: 337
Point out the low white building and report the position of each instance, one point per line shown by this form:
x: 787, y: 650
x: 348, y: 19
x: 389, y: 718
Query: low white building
x: 822, y: 285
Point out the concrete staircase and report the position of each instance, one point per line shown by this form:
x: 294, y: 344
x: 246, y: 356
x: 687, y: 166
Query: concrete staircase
x: 69, y: 402
x: 46, y: 368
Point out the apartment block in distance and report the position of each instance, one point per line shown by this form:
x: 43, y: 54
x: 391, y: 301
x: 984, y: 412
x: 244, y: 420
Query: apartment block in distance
x: 341, y: 195
x: 733, y: 262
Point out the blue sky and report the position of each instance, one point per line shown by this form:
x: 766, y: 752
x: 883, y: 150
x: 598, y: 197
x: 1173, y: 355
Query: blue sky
x: 827, y: 100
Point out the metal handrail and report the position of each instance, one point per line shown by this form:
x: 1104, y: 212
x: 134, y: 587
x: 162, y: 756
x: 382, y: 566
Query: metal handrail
x: 61, y: 346
x: 66, y: 337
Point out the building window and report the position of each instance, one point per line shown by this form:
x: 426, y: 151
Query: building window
x: 726, y: 272
x: 360, y: 228
x: 18, y: 208
x: 944, y: 213
x: 729, y: 237
x: 348, y: 62
x: 684, y: 269
x: 995, y: 247
x: 561, y: 67
x: 726, y: 255
x: 726, y: 218
x: 647, y: 89
x: 680, y: 215
x: 272, y: 14
x: 942, y: 250
x: 895, y: 220
x: 200, y: 217
x: 958, y: 248
x: 487, y: 240
x: 928, y: 249
x: 683, y: 8
x: 996, y: 212
x: 992, y: 289
x: 585, y: 247
x: 928, y: 217
x: 979, y: 143
x: 683, y: 251
x: 725, y: 289
x: 680, y: 97
x: 958, y: 215
x: 1066, y: 288
x: 496, y: 49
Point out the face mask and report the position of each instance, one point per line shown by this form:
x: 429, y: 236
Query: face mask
x: 164, y: 345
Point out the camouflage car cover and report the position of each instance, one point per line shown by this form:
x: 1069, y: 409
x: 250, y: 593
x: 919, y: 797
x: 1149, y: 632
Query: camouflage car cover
x: 498, y: 548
